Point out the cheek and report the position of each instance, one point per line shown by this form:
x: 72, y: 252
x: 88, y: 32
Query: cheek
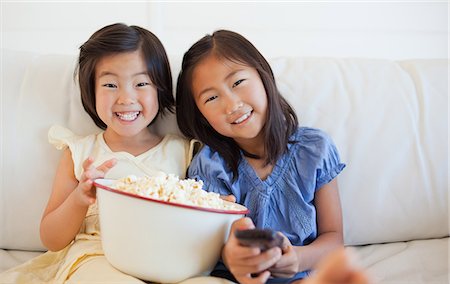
x: 216, y: 122
x: 212, y: 116
x: 261, y: 102
x: 151, y: 102
x: 99, y: 103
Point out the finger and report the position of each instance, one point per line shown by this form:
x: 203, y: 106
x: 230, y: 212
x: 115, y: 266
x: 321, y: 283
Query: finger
x: 88, y: 163
x: 101, y: 170
x: 240, y: 224
x: 263, y: 277
x: 243, y: 223
x: 288, y: 259
x: 286, y: 243
x: 230, y: 198
x: 107, y: 165
x: 245, y: 253
x: 260, y: 262
x: 85, y: 184
x: 89, y: 189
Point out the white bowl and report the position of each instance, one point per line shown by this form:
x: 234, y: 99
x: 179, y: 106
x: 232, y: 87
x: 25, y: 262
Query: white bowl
x: 160, y: 241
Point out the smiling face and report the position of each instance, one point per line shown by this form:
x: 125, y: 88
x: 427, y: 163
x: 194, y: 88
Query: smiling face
x: 126, y: 99
x: 232, y: 98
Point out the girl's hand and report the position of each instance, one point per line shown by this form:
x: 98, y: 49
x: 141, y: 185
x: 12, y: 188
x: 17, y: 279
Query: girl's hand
x: 85, y: 190
x: 338, y: 268
x: 230, y: 198
x: 288, y: 264
x: 247, y: 264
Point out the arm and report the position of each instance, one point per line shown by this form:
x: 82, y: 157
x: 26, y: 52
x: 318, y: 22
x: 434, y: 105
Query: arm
x: 330, y: 236
x: 69, y: 201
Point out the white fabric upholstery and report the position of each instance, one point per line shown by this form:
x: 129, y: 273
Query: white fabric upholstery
x: 419, y: 261
x: 388, y: 119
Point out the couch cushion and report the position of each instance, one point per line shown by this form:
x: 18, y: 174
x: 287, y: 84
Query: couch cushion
x: 13, y: 258
x: 41, y: 95
x: 413, y: 262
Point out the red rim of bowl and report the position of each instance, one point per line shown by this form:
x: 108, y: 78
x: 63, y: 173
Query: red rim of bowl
x: 105, y: 187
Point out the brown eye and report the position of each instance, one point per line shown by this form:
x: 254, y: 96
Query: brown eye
x: 142, y: 84
x: 237, y: 83
x: 108, y: 85
x: 210, y: 99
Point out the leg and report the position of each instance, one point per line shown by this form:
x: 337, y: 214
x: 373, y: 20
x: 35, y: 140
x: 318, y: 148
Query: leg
x: 98, y: 270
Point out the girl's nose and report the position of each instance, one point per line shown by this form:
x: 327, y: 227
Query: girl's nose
x: 235, y: 107
x: 234, y: 104
x: 126, y: 97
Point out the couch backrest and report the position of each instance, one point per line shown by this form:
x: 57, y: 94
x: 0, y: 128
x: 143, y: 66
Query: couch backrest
x: 388, y: 119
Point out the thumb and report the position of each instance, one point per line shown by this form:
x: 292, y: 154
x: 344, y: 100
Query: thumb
x: 242, y: 224
x: 230, y: 198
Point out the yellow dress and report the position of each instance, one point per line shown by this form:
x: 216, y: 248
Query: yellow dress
x: 83, y: 260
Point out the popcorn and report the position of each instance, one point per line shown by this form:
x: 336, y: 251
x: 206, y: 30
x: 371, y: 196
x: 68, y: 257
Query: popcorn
x: 170, y: 188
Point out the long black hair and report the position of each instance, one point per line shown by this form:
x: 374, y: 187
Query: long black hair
x: 281, y: 120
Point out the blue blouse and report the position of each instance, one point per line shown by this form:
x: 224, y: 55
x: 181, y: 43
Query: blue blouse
x: 284, y: 201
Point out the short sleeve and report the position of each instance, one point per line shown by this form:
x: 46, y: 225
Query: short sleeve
x: 61, y: 137
x: 80, y: 147
x: 327, y: 160
x: 209, y: 167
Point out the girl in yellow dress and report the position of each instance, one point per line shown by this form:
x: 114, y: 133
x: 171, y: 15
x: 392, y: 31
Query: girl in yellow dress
x: 126, y: 85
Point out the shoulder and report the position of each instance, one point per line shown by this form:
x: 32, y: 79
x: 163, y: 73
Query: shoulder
x: 310, y: 135
x: 314, y: 145
x: 62, y: 138
x: 316, y: 150
x: 207, y: 163
x: 76, y: 148
x: 175, y: 139
x: 312, y: 139
x: 208, y: 166
x: 206, y: 155
x: 175, y: 142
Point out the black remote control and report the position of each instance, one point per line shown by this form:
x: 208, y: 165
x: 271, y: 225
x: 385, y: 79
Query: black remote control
x: 262, y: 238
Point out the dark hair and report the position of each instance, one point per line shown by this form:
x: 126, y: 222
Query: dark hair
x: 281, y: 120
x: 118, y: 38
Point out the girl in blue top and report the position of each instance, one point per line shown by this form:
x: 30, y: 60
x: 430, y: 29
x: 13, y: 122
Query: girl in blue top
x: 228, y: 99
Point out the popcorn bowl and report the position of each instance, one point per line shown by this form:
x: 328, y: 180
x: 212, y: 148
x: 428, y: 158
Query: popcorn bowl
x: 160, y: 241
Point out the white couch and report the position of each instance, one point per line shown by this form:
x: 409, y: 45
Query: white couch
x: 388, y: 119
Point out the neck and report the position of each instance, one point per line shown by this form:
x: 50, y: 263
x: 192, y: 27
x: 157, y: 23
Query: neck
x: 255, y: 146
x: 135, y: 145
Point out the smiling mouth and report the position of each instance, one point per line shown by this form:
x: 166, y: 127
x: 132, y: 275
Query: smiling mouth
x: 242, y: 118
x: 128, y: 116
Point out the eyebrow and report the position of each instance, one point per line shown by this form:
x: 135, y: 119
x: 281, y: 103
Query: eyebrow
x: 106, y: 73
x: 226, y: 78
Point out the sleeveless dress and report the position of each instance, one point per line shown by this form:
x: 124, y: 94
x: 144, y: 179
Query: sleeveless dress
x: 83, y: 260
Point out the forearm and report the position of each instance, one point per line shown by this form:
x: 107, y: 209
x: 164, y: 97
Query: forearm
x: 311, y: 254
x: 59, y: 227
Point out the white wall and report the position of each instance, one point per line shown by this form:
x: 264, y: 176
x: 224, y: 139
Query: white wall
x: 383, y: 29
